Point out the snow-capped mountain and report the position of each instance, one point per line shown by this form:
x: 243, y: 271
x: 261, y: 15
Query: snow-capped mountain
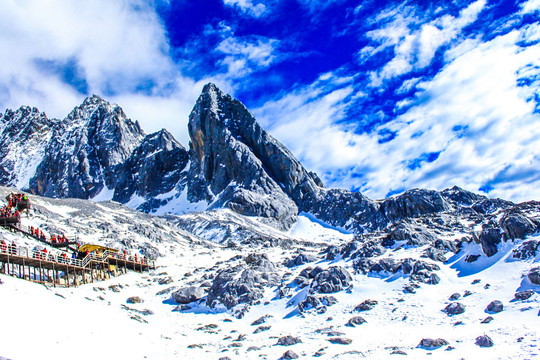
x: 255, y: 257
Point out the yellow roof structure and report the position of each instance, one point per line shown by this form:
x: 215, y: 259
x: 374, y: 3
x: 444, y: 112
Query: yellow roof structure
x: 93, y: 247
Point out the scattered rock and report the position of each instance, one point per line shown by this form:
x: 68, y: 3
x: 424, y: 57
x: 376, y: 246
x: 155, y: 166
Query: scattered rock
x: 433, y: 279
x: 261, y: 320
x: 467, y: 293
x: 495, y: 306
x: 454, y: 308
x: 523, y: 295
x: 195, y: 346
x: 261, y: 329
x: 534, y: 275
x: 288, y: 340
x: 484, y: 341
x: 165, y: 281
x: 319, y: 303
x: 134, y: 300
x: 357, y: 320
x: 455, y: 296
x: 182, y: 307
x: 476, y: 281
x: 253, y: 348
x: 398, y: 352
x: 340, y: 340
x: 225, y: 358
x: 487, y: 320
x: 334, y: 279
x: 431, y: 344
x: 301, y: 259
x: 115, y: 288
x: 526, y: 250
x: 166, y: 291
x: 366, y: 305
x: 289, y: 354
x: 244, y: 283
x: 188, y: 294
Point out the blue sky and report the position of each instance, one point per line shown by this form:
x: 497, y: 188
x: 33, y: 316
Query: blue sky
x: 375, y: 96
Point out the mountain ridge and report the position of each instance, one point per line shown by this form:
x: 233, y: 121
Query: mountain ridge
x: 232, y: 162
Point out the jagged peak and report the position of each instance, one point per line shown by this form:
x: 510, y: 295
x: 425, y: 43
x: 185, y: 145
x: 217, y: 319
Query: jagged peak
x: 93, y: 100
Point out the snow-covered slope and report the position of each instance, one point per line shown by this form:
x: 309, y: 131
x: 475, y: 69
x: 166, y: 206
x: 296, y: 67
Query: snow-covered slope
x: 309, y: 290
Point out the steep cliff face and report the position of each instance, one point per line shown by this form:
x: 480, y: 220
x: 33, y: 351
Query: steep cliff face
x: 84, y: 150
x: 24, y: 135
x: 154, y: 168
x: 225, y: 168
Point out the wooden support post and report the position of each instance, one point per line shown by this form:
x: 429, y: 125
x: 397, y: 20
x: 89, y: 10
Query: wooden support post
x: 40, y: 272
x: 67, y: 275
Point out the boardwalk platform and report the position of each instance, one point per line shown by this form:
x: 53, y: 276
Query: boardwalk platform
x: 44, y: 267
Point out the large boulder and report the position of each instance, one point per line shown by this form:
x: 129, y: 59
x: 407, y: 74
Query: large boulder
x: 432, y: 344
x: 534, y: 275
x: 454, y: 308
x: 331, y: 280
x: 489, y: 238
x: 517, y: 226
x: 243, y: 283
x: 495, y: 306
x: 188, y: 294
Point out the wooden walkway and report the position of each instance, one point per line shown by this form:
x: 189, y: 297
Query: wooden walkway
x: 45, y: 267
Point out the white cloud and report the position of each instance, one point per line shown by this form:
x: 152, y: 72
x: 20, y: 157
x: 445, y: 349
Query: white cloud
x: 415, y: 46
x: 245, y: 55
x: 250, y: 7
x: 530, y: 6
x: 473, y: 114
x: 118, y: 48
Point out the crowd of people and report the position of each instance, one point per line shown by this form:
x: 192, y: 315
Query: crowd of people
x: 53, y: 239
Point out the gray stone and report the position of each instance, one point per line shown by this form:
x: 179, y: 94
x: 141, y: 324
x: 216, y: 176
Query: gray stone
x: 288, y: 340
x: 289, y: 354
x: 484, y: 341
x: 340, y: 340
x: 357, y: 320
x: 134, y: 300
x: 431, y: 344
x: 487, y: 320
x: 334, y: 279
x: 495, y: 306
x: 455, y: 308
x: 366, y: 305
x: 534, y: 275
x: 523, y: 295
x: 455, y: 296
x: 187, y: 295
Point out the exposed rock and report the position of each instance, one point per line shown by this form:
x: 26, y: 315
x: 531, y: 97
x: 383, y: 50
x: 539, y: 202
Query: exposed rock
x: 234, y: 157
x: 489, y: 238
x: 487, y: 320
x: 243, y: 283
x: 334, y: 279
x: 366, y: 305
x: 261, y: 320
x: 455, y: 296
x: 357, y: 320
x: 484, y: 341
x: 289, y: 354
x: 455, y: 308
x: 523, y: 295
x: 517, y: 226
x: 431, y: 344
x: 340, y: 340
x: 526, y: 250
x: 534, y: 276
x: 261, y: 329
x: 134, y: 300
x: 398, y: 352
x: 300, y: 259
x: 318, y: 303
x: 188, y: 294
x: 288, y: 340
x: 495, y: 306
